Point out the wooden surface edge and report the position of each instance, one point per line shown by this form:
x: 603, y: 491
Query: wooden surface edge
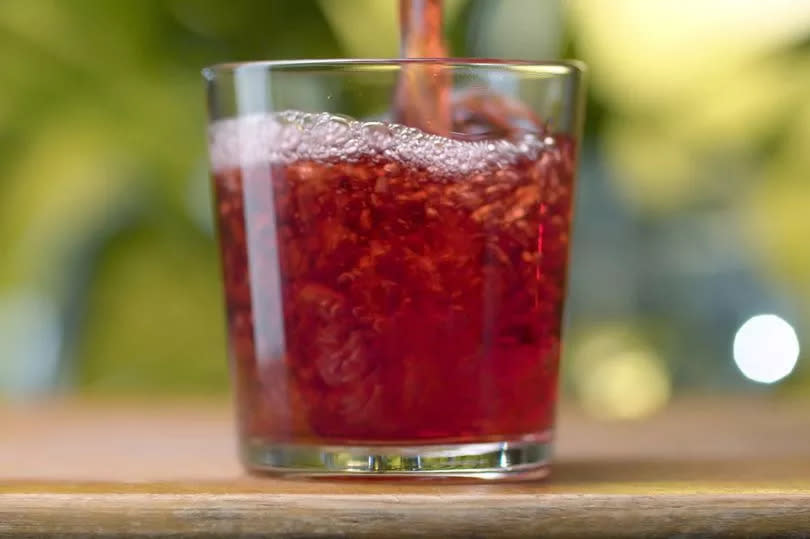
x: 291, y: 515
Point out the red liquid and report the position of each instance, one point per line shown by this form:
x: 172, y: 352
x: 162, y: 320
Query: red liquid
x: 372, y: 300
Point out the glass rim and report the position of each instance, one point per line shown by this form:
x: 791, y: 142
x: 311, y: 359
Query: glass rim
x: 559, y: 67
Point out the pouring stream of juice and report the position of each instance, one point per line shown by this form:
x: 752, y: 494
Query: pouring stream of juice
x: 423, y: 92
x: 424, y: 99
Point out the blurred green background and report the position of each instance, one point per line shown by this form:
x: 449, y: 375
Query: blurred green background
x: 693, y: 211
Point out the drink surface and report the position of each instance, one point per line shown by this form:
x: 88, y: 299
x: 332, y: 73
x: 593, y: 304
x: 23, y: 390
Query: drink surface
x: 385, y: 285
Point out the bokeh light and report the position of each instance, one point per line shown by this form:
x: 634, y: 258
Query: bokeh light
x: 618, y: 376
x: 766, y: 348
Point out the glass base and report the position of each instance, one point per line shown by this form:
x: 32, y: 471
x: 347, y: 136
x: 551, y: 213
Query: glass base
x: 524, y: 458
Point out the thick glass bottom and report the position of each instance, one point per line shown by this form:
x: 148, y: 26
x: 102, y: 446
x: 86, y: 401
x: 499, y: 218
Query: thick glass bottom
x: 526, y: 457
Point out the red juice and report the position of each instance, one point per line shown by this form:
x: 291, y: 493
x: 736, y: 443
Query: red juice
x: 388, y: 286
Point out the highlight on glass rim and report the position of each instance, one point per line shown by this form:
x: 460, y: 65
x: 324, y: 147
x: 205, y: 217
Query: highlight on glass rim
x: 392, y: 243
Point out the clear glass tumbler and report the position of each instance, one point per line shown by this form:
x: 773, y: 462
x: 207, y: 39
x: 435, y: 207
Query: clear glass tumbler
x: 394, y: 292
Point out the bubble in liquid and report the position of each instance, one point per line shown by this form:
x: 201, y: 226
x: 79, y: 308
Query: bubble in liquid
x: 379, y: 135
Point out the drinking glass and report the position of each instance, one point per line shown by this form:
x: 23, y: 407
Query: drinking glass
x: 394, y: 291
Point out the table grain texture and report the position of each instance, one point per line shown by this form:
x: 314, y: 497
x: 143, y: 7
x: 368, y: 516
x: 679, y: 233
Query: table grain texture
x: 704, y: 467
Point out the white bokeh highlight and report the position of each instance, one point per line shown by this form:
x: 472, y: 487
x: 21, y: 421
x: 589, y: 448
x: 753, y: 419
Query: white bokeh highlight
x: 766, y: 348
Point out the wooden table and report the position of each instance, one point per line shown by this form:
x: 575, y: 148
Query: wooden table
x: 703, y: 467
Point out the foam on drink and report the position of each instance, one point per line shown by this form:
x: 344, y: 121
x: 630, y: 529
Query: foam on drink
x: 291, y: 136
